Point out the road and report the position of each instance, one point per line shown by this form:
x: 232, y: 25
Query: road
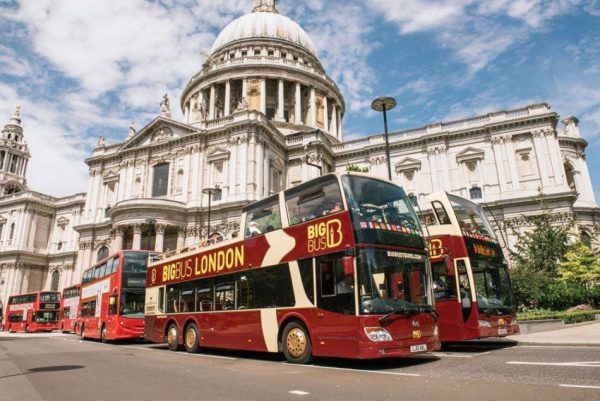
x: 61, y: 367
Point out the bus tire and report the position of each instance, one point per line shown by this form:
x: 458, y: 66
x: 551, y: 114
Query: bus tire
x: 27, y: 329
x: 173, y: 337
x: 103, y: 334
x: 297, y: 347
x: 10, y: 328
x: 191, y: 338
x: 82, y: 335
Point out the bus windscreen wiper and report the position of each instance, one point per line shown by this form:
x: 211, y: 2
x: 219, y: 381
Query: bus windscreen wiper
x: 404, y: 311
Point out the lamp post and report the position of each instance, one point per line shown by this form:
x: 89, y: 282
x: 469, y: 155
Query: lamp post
x: 210, y: 192
x: 151, y: 223
x: 384, y: 104
x: 308, y: 163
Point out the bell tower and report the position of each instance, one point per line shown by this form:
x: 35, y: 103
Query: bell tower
x: 14, y: 156
x: 265, y: 6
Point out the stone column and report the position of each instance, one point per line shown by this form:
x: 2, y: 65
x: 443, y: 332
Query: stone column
x: 227, y: 109
x: 512, y: 165
x: 340, y: 133
x: 180, y: 237
x: 325, y: 114
x: 137, y: 237
x: 298, y: 105
x: 433, y: 169
x: 312, y: 115
x: 496, y: 143
x: 555, y: 157
x: 118, y: 244
x: 280, y: 101
x: 538, y: 148
x: 159, y: 244
x: 333, y: 126
x: 263, y: 95
x: 211, y: 109
x: 245, y: 89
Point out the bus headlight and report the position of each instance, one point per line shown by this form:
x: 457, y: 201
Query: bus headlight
x: 484, y: 323
x: 378, y: 334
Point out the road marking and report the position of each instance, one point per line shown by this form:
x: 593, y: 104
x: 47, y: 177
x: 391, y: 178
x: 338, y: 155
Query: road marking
x: 557, y: 346
x: 458, y: 354
x: 356, y: 370
x: 584, y: 364
x: 178, y: 353
x: 299, y: 392
x: 579, y: 386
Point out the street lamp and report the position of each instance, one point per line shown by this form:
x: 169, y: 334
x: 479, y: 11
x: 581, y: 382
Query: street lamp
x: 151, y: 223
x: 307, y: 158
x: 384, y: 104
x: 210, y: 192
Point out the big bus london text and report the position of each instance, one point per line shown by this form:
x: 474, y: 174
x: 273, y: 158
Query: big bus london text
x: 333, y: 267
x: 473, y: 293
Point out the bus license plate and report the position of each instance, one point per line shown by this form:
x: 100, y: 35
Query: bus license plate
x: 418, y: 348
x: 502, y: 331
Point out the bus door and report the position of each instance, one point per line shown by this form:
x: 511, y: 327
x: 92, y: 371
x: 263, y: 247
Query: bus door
x: 447, y: 303
x: 467, y: 291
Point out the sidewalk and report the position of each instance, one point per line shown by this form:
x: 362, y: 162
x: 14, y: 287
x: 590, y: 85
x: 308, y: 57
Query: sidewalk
x: 580, y: 335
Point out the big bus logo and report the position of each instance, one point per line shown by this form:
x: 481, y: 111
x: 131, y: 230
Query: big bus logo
x: 436, y: 248
x: 324, y: 235
x: 153, y: 276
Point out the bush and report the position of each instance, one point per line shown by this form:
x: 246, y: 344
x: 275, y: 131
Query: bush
x: 562, y: 296
x: 567, y: 317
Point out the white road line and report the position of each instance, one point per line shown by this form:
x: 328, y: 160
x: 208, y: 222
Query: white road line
x: 579, y: 386
x: 356, y: 370
x: 299, y: 392
x: 178, y: 353
x: 584, y: 364
x: 449, y: 355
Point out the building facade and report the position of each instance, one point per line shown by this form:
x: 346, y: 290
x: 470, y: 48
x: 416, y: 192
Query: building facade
x: 260, y: 116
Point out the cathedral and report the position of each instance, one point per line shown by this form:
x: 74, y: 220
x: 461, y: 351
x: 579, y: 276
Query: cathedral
x: 262, y: 115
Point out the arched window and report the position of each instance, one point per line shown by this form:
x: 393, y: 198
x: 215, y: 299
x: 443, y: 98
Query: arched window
x: 160, y: 180
x: 54, y: 282
x: 102, y: 253
x: 12, y: 231
x: 570, y: 175
x: 475, y: 192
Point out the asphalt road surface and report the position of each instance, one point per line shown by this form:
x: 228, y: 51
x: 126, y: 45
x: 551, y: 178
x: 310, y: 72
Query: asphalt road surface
x: 61, y: 367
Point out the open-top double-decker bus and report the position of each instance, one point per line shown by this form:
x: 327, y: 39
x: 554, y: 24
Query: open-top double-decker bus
x: 472, y: 289
x: 69, y: 307
x: 111, y: 305
x: 336, y: 267
x: 37, y: 311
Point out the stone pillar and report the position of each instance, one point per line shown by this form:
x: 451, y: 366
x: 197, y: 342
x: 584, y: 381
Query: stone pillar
x: 555, y: 157
x: 340, y: 125
x: 227, y: 110
x: 280, y: 101
x: 496, y: 144
x: 245, y: 89
x: 211, y: 109
x: 263, y: 95
x: 333, y: 126
x: 180, y: 237
x: 325, y: 114
x: 118, y: 244
x: 137, y: 237
x: 538, y: 148
x: 512, y: 165
x: 298, y: 105
x: 312, y: 115
x: 159, y: 244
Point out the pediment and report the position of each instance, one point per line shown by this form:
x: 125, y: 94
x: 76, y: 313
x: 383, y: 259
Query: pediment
x: 110, y: 177
x: 158, y: 131
x: 470, y: 153
x: 217, y: 153
x: 2, y: 219
x: 62, y: 221
x: 408, y: 163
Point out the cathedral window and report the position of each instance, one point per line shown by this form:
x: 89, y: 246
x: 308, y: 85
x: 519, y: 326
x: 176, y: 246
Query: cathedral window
x: 1, y: 229
x: 12, y: 231
x: 102, y: 253
x: 475, y: 192
x: 2, y: 154
x: 54, y: 281
x: 13, y: 164
x: 160, y: 180
x: 524, y: 164
x: 244, y: 53
x: 179, y: 181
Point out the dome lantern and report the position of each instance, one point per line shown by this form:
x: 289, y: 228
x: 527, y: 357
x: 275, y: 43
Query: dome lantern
x: 265, y: 6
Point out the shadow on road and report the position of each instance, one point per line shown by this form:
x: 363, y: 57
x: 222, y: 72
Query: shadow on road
x: 58, y: 368
x: 478, y: 345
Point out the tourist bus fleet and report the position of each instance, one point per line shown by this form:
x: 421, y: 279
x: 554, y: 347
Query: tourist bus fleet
x: 334, y: 267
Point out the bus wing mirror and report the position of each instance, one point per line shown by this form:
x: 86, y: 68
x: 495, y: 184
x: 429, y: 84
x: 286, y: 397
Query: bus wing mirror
x: 348, y: 262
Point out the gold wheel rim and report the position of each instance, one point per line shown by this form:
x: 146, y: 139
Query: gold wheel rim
x: 296, y: 342
x: 172, y: 336
x: 190, y: 338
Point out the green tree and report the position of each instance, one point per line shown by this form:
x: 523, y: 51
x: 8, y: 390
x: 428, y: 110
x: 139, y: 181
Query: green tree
x: 580, y: 267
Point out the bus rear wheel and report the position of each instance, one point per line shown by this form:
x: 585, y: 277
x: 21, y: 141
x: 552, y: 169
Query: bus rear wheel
x: 297, y: 347
x: 103, y: 334
x: 173, y: 337
x: 191, y: 339
x: 10, y: 328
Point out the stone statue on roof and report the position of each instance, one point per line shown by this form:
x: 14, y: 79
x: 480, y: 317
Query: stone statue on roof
x: 165, y: 109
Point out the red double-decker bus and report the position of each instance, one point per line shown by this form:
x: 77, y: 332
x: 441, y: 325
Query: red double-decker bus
x: 473, y: 293
x: 335, y: 267
x: 37, y: 311
x: 111, y: 305
x: 69, y: 307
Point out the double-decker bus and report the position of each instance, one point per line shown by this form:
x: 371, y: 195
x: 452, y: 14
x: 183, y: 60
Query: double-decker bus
x: 37, y: 311
x: 336, y: 266
x: 472, y: 289
x: 111, y: 305
x: 69, y: 307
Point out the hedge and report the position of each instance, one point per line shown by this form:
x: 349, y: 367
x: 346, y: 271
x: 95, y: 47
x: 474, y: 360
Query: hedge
x: 568, y: 317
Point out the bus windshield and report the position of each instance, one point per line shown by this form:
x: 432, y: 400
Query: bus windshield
x: 49, y: 297
x: 45, y: 317
x: 494, y: 295
x: 135, y: 262
x: 471, y: 217
x: 381, y: 213
x: 132, y: 303
x: 392, y: 282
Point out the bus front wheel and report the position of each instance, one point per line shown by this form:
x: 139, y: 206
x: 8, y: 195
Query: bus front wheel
x: 191, y: 338
x: 297, y: 347
x: 27, y: 329
x: 173, y: 337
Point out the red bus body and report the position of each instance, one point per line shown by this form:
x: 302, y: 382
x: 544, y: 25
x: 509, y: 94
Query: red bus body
x: 33, y: 312
x: 245, y: 294
x: 69, y: 308
x: 111, y: 303
x: 467, y: 259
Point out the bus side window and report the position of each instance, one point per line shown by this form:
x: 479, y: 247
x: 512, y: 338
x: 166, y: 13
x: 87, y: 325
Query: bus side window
x: 263, y: 217
x: 444, y: 285
x: 161, y: 299
x: 327, y: 279
x: 440, y: 213
x: 306, y: 273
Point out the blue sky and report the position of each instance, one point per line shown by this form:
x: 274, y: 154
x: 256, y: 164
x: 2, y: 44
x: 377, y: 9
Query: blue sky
x: 80, y: 69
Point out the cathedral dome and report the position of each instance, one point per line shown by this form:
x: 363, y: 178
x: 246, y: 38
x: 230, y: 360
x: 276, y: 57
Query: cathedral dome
x: 270, y: 25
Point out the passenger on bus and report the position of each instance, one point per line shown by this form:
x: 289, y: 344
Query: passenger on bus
x: 253, y: 229
x: 346, y: 285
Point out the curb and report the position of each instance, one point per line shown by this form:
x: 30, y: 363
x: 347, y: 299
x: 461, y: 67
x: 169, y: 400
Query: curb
x: 564, y: 344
